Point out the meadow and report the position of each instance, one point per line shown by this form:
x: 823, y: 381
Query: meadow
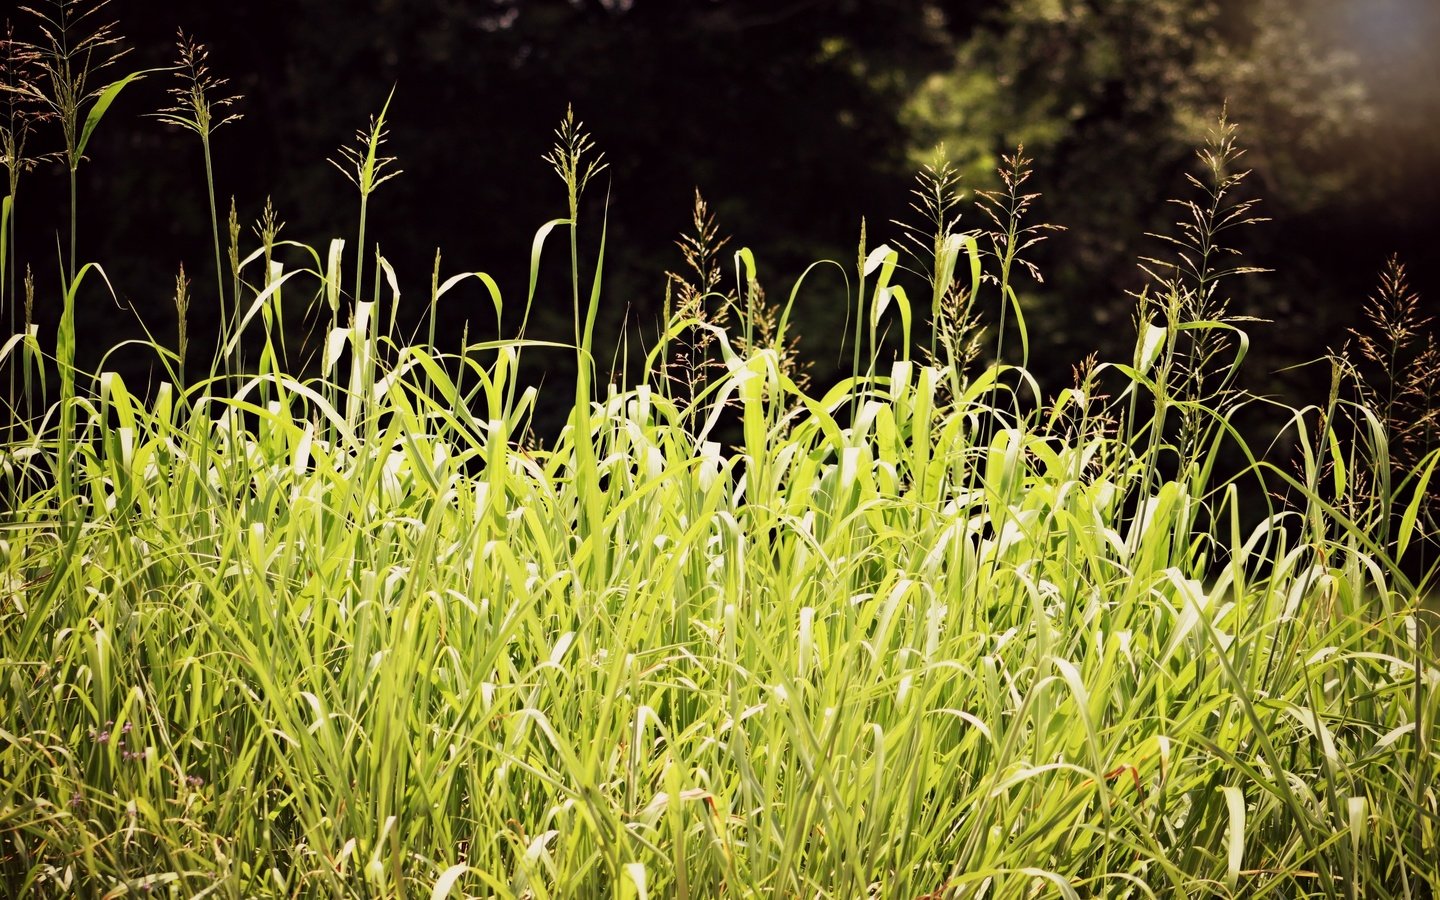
x: 347, y: 626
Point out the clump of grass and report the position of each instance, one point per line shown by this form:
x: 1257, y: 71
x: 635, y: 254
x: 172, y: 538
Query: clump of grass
x: 916, y: 635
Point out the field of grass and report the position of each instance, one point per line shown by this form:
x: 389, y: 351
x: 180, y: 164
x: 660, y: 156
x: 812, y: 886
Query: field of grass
x: 358, y: 632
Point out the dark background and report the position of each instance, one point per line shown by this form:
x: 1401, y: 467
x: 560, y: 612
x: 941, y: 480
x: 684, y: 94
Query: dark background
x: 795, y: 118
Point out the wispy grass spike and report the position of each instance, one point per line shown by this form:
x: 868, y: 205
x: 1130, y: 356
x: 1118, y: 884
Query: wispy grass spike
x: 363, y: 166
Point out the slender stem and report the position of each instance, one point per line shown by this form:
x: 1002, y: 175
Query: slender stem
x: 10, y: 249
x: 859, y: 307
x: 360, y: 248
x: 225, y: 322
x: 73, y: 214
x: 588, y: 514
x: 937, y: 291
x: 1005, y: 263
x: 7, y: 292
x: 582, y: 370
x: 575, y: 272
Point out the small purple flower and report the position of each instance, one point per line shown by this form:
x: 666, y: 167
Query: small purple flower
x: 77, y: 800
x: 194, y: 781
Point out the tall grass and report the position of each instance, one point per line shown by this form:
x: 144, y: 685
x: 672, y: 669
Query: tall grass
x: 919, y: 635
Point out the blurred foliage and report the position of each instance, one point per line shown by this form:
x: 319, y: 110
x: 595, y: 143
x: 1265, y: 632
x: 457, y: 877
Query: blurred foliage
x: 1050, y: 74
x: 1112, y: 98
